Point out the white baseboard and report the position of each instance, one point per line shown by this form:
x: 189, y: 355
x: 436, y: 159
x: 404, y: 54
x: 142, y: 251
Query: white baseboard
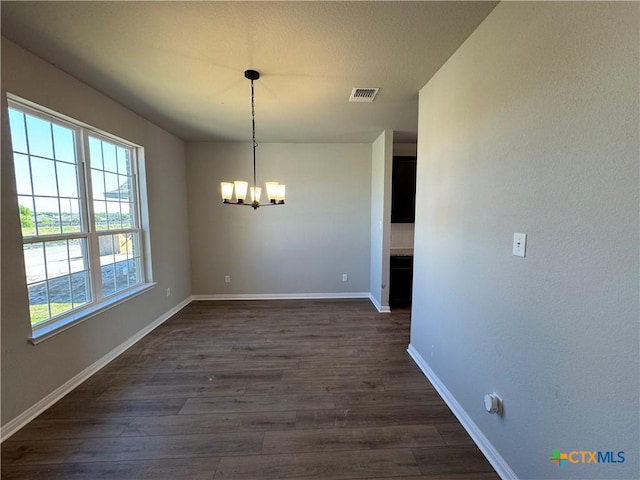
x: 293, y: 296
x: 379, y: 307
x: 281, y: 296
x: 32, y: 412
x: 495, y: 459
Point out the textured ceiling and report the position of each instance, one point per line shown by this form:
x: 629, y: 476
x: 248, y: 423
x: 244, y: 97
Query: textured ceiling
x: 181, y: 64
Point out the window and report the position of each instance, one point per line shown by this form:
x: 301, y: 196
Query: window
x: 80, y: 216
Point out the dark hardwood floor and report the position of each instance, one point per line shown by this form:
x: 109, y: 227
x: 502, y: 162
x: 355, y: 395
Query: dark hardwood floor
x: 254, y: 390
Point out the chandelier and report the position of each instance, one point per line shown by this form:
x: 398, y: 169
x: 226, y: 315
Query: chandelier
x: 275, y: 191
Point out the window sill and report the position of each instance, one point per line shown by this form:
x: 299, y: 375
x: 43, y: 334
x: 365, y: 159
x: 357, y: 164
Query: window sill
x: 40, y: 334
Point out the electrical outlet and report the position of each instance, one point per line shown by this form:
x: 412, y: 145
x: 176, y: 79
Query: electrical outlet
x: 227, y: 279
x: 345, y: 277
x: 168, y: 292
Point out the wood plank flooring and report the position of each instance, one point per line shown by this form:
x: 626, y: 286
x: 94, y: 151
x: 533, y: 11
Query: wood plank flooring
x: 255, y: 390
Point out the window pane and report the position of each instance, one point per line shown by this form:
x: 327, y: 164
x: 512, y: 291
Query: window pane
x: 111, y: 190
x: 108, y: 279
x: 132, y: 214
x: 97, y: 184
x: 100, y: 215
x: 109, y: 157
x: 57, y: 259
x: 67, y: 179
x: 70, y: 209
x: 60, y: 295
x: 38, y: 303
x: 119, y: 262
x: 43, y: 173
x: 27, y: 218
x: 34, y: 262
x: 39, y: 134
x: 107, y: 260
x: 64, y: 143
x: 23, y: 174
x: 80, y: 288
x: 78, y: 255
x: 113, y: 212
x: 133, y: 257
x: 95, y: 153
x: 18, y: 133
x: 47, y: 215
x: 124, y: 167
x: 122, y: 275
x: 126, y: 215
x: 124, y: 186
x: 108, y: 215
x: 79, y: 266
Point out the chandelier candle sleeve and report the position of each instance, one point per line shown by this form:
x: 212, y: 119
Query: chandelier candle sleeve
x: 275, y: 191
x: 241, y: 190
x: 227, y: 191
x: 272, y: 191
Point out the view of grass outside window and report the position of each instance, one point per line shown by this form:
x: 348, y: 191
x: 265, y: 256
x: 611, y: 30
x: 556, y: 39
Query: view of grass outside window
x: 78, y: 205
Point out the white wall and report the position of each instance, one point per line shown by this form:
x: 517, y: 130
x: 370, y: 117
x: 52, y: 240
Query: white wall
x: 30, y: 372
x: 533, y: 126
x: 381, y: 161
x: 302, y: 247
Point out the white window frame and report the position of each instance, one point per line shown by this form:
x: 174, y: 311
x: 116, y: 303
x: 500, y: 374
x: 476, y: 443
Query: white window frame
x: 99, y: 302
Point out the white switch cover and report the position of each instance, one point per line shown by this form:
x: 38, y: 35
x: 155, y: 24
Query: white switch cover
x: 493, y: 403
x: 519, y: 244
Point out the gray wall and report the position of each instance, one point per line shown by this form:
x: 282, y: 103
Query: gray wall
x: 532, y: 126
x: 381, y: 161
x: 303, y: 247
x: 31, y: 372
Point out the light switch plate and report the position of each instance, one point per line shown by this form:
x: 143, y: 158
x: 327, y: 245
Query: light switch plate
x: 519, y: 244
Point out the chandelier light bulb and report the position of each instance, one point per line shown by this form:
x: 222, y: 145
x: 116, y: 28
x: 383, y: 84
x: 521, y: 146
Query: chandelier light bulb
x: 255, y: 194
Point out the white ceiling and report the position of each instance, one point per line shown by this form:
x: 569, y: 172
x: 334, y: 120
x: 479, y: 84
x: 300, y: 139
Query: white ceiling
x: 181, y: 64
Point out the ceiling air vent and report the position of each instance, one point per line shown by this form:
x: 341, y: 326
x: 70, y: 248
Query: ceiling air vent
x: 363, y: 94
